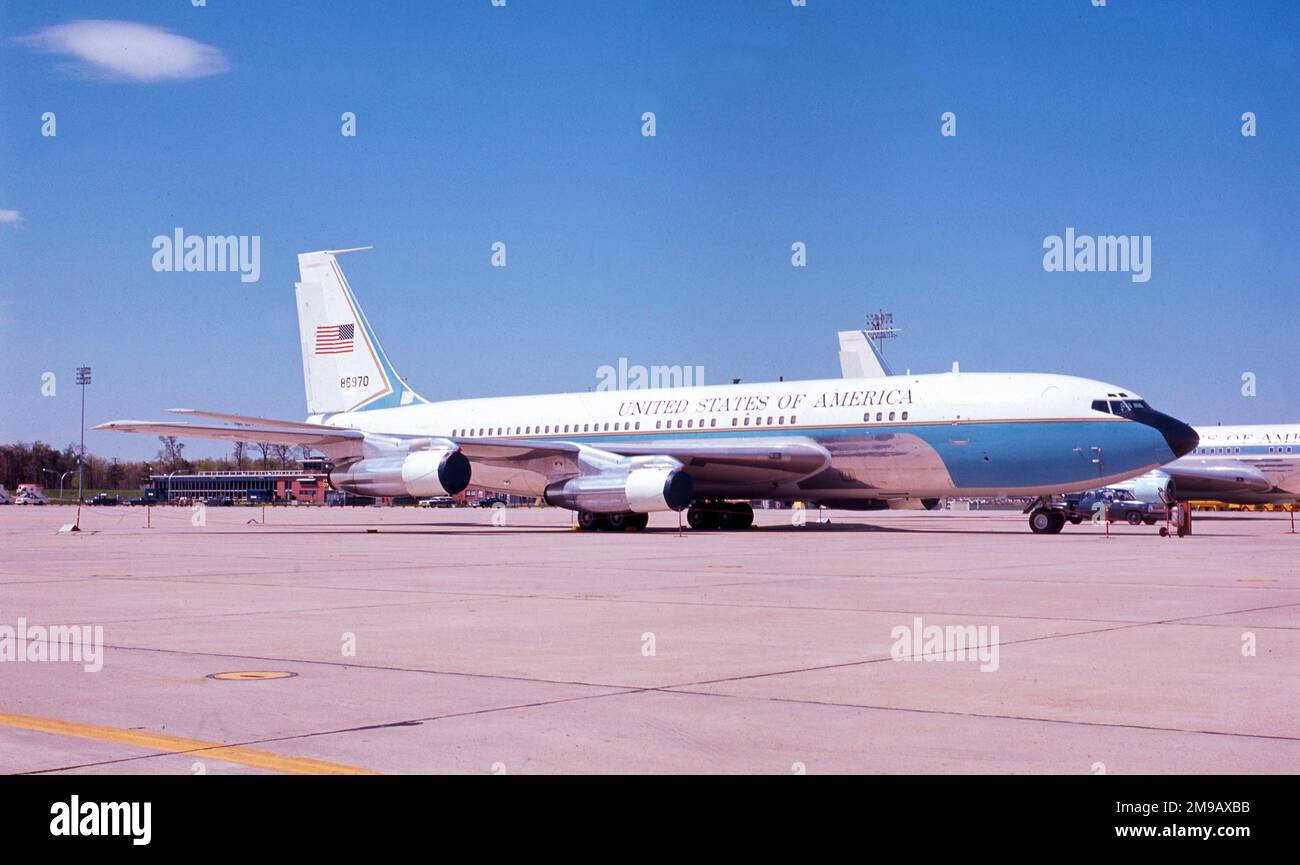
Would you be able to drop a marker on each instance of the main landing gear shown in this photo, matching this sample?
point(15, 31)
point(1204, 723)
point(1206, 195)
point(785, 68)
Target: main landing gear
point(1046, 522)
point(593, 522)
point(720, 515)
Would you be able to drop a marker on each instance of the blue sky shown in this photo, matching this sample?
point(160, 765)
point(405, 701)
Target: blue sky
point(775, 124)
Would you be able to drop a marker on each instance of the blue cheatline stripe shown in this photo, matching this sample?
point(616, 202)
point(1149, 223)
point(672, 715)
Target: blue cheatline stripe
point(1020, 453)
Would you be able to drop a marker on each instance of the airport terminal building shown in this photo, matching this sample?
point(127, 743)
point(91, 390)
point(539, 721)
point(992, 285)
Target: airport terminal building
point(306, 485)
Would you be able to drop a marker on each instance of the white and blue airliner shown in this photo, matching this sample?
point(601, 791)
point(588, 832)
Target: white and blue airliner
point(617, 456)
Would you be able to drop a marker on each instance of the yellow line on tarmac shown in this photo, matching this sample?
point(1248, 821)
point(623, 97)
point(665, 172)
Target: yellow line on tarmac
point(176, 745)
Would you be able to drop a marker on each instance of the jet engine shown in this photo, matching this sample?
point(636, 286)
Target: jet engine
point(637, 490)
point(1155, 487)
point(433, 472)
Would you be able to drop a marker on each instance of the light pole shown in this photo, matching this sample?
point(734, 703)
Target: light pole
point(56, 474)
point(83, 379)
point(61, 477)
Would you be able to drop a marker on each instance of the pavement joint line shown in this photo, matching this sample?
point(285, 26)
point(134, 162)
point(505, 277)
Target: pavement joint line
point(634, 688)
point(467, 596)
point(344, 730)
point(165, 745)
point(978, 715)
point(1001, 644)
point(376, 667)
point(250, 613)
point(458, 597)
point(781, 578)
point(920, 612)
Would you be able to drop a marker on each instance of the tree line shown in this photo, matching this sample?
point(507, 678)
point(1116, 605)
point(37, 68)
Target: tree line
point(40, 463)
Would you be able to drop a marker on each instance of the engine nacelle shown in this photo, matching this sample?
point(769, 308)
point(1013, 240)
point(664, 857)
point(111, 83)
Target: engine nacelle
point(1155, 487)
point(639, 490)
point(434, 472)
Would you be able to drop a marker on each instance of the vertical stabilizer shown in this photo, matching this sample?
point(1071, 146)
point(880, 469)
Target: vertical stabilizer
point(344, 367)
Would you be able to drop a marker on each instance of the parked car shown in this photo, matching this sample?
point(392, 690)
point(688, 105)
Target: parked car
point(491, 501)
point(146, 499)
point(438, 502)
point(1121, 505)
point(105, 499)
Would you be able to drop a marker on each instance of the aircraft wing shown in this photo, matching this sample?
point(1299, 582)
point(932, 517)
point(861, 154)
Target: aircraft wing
point(740, 460)
point(735, 461)
point(279, 433)
point(249, 419)
point(508, 450)
point(1208, 478)
point(756, 460)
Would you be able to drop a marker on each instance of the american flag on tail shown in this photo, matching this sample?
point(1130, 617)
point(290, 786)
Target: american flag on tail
point(334, 338)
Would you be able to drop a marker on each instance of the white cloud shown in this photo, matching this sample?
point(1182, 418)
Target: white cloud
point(10, 217)
point(124, 50)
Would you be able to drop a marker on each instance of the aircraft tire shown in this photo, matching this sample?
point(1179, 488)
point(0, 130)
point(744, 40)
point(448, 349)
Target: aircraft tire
point(1043, 522)
point(701, 517)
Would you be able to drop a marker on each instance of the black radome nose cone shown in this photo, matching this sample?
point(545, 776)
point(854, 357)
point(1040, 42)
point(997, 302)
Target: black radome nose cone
point(1180, 437)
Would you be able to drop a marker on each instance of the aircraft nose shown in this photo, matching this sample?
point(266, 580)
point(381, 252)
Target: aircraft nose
point(1180, 437)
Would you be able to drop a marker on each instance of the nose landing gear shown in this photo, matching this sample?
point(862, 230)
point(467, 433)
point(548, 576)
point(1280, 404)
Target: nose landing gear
point(1045, 522)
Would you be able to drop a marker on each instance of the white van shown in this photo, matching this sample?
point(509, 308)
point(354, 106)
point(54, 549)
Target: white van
point(6, 497)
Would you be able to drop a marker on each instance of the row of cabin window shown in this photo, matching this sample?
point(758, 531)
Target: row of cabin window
point(1279, 450)
point(681, 424)
point(543, 430)
point(659, 424)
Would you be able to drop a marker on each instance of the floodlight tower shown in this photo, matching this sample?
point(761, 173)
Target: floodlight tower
point(880, 327)
point(83, 379)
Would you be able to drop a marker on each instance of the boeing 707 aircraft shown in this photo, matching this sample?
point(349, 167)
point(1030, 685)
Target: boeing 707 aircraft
point(617, 456)
point(1248, 465)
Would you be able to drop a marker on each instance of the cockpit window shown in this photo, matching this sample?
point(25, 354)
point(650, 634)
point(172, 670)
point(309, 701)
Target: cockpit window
point(1121, 407)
